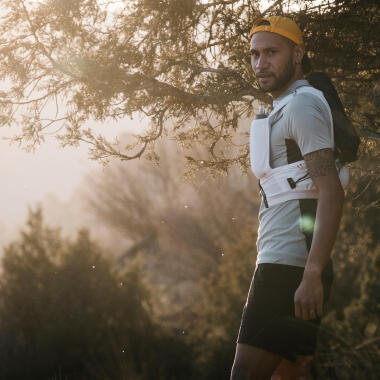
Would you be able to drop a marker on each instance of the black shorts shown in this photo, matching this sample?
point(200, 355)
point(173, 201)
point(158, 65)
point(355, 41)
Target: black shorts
point(268, 320)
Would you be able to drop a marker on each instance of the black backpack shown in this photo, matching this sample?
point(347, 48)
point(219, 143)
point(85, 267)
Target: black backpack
point(346, 138)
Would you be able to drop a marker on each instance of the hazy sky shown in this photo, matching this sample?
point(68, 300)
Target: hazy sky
point(27, 178)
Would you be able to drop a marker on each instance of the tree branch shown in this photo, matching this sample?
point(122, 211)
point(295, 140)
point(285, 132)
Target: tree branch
point(278, 2)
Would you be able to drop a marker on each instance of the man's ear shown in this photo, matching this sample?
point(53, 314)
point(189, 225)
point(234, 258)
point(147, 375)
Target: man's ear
point(298, 53)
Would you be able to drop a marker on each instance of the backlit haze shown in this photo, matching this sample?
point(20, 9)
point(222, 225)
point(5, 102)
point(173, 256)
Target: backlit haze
point(51, 175)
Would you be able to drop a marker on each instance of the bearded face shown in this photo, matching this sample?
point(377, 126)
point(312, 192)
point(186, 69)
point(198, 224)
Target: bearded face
point(273, 61)
point(277, 80)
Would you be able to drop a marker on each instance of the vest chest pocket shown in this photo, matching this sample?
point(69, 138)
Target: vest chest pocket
point(259, 147)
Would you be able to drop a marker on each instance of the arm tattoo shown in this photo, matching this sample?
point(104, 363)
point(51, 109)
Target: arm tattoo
point(320, 163)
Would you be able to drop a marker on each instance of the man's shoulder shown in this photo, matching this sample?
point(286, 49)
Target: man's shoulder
point(306, 109)
point(302, 101)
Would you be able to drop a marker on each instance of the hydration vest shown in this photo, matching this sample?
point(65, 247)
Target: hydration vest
point(291, 181)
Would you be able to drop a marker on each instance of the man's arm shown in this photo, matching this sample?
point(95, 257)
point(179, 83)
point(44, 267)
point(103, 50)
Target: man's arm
point(308, 298)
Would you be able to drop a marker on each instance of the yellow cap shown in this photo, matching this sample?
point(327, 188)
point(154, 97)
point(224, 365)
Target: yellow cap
point(279, 25)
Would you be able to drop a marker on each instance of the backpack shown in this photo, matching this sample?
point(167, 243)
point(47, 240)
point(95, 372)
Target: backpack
point(346, 137)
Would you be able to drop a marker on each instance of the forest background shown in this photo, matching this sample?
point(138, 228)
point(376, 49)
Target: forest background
point(164, 299)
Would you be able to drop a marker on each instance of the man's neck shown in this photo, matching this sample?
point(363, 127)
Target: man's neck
point(277, 94)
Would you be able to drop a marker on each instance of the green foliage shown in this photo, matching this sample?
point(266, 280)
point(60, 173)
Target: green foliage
point(66, 311)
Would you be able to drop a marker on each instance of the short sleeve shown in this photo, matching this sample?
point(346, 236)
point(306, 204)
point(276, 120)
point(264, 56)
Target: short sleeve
point(309, 123)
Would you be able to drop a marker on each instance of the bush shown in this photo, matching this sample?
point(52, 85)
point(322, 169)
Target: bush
point(66, 312)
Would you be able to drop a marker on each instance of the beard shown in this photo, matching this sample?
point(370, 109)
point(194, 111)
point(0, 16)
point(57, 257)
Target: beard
point(279, 81)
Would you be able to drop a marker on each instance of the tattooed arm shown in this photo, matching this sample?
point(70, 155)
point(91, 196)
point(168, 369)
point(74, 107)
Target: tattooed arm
point(320, 164)
point(321, 167)
point(309, 295)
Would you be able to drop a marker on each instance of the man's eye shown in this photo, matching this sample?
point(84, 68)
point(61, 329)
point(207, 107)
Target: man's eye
point(271, 52)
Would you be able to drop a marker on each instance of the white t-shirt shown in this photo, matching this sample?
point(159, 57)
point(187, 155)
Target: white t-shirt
point(285, 230)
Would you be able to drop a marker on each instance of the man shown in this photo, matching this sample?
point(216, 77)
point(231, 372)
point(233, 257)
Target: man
point(293, 274)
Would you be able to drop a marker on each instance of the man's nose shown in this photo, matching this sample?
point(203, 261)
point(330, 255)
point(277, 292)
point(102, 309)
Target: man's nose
point(261, 63)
